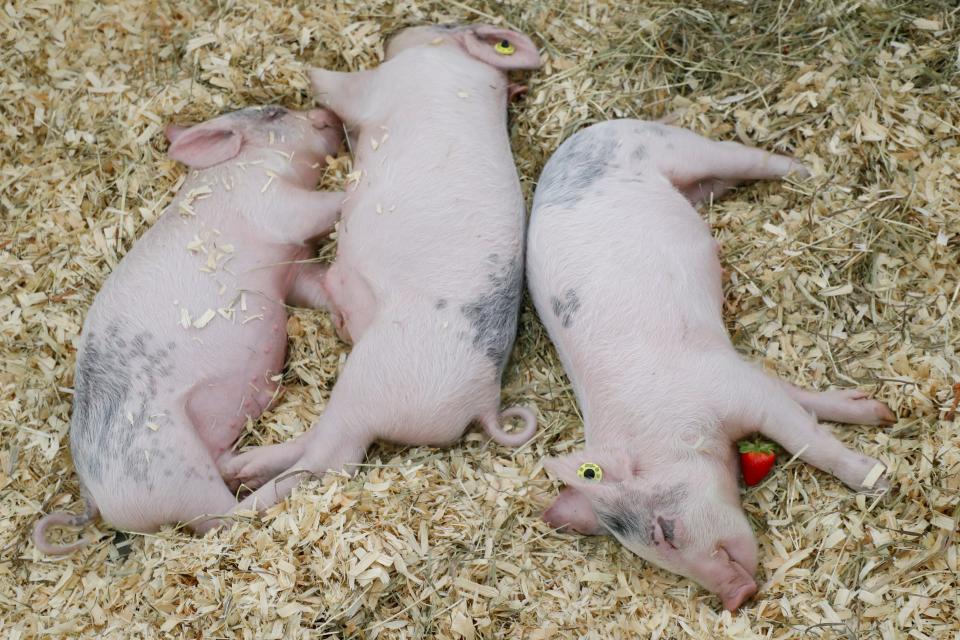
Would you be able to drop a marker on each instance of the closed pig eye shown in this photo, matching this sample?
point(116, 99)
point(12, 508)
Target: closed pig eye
point(272, 113)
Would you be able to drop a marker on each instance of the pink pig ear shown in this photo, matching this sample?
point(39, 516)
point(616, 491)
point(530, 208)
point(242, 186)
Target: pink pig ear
point(573, 510)
point(501, 48)
point(204, 145)
point(591, 472)
point(173, 131)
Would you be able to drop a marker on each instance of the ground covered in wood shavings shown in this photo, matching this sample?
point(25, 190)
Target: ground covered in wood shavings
point(850, 278)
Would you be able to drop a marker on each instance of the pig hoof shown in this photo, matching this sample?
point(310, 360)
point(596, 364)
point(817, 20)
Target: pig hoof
point(240, 471)
point(861, 473)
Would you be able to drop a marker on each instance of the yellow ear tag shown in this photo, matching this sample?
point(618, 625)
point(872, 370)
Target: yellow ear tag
point(504, 48)
point(590, 472)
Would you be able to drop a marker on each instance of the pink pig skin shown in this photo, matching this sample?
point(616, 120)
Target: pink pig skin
point(157, 403)
point(428, 275)
point(625, 276)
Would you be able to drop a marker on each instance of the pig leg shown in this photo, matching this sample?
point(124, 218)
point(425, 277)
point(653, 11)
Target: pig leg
point(329, 445)
point(851, 406)
point(353, 304)
point(184, 485)
point(344, 93)
point(378, 395)
point(253, 468)
point(764, 406)
point(337, 441)
point(706, 190)
point(307, 290)
point(699, 167)
point(306, 215)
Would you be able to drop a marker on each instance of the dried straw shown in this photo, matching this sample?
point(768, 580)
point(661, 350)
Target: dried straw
point(850, 278)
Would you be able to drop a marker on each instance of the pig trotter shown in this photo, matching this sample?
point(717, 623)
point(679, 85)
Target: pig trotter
point(63, 519)
point(492, 425)
point(252, 469)
point(307, 290)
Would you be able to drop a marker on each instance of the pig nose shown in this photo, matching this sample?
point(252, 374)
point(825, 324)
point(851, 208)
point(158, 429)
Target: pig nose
point(733, 599)
point(323, 118)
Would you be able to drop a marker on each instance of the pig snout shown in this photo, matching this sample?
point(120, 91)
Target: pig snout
point(329, 127)
point(728, 572)
point(733, 583)
point(324, 118)
point(732, 600)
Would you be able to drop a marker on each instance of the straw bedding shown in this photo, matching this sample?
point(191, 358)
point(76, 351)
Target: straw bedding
point(850, 278)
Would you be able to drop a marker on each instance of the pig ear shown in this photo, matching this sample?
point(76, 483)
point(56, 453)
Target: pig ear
point(501, 48)
point(593, 473)
point(204, 145)
point(173, 131)
point(573, 511)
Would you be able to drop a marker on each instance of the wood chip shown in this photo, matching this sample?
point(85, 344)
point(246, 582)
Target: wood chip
point(846, 279)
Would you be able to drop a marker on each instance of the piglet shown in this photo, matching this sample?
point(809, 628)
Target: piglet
point(625, 276)
point(184, 341)
point(428, 275)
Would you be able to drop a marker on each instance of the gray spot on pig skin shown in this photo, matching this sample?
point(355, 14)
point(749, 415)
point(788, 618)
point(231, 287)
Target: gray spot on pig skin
point(564, 309)
point(267, 113)
point(653, 128)
point(666, 526)
point(632, 514)
point(116, 382)
point(493, 317)
point(574, 168)
point(639, 153)
point(441, 304)
point(625, 523)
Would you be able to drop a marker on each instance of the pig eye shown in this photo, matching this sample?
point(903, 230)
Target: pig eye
point(590, 472)
point(505, 48)
point(272, 113)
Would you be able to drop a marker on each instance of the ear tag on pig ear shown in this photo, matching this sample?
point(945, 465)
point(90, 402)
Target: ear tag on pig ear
point(590, 472)
point(505, 48)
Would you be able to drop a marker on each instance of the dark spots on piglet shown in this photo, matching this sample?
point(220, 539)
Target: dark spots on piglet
point(493, 316)
point(639, 154)
point(441, 304)
point(566, 307)
point(666, 527)
point(636, 515)
point(653, 128)
point(625, 523)
point(574, 168)
point(117, 379)
point(266, 113)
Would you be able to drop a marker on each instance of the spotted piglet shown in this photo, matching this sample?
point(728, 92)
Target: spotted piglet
point(184, 340)
point(624, 274)
point(428, 274)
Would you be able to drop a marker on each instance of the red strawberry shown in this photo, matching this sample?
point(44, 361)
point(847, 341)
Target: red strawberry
point(756, 460)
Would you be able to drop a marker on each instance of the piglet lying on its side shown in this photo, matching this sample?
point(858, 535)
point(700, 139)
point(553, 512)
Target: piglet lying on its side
point(183, 340)
point(429, 268)
point(625, 276)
